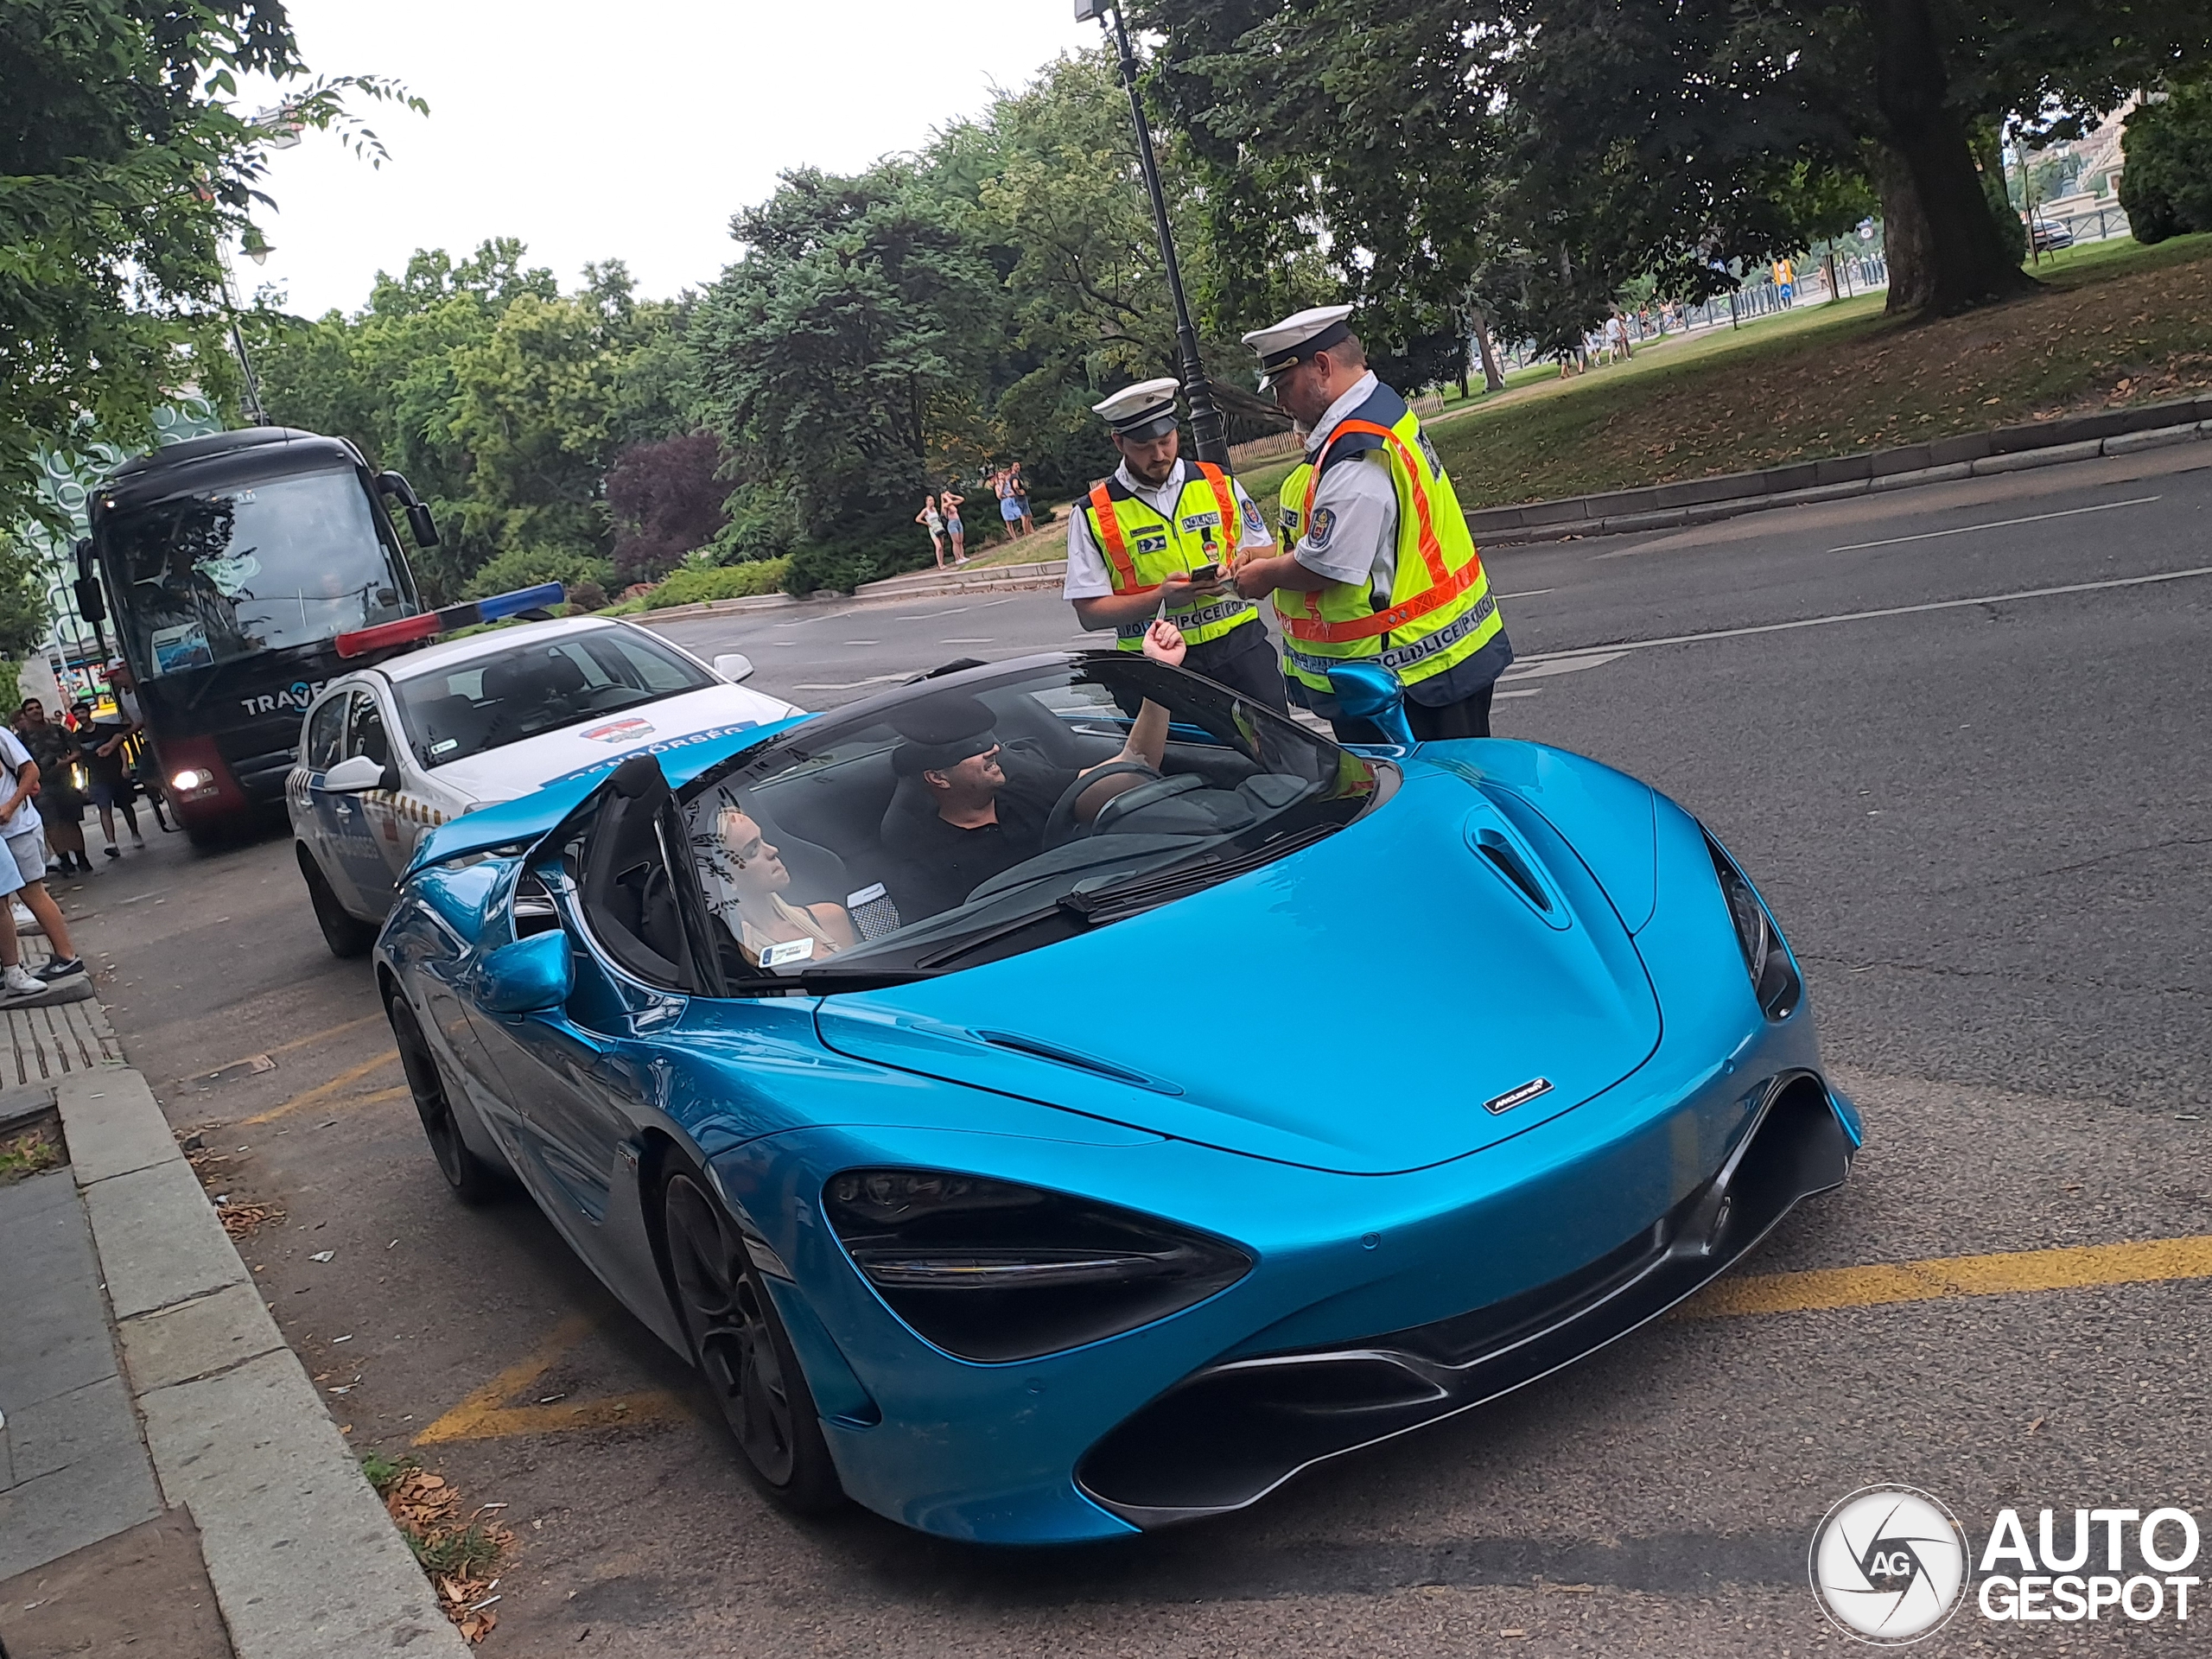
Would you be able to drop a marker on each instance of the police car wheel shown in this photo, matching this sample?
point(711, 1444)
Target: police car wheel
point(472, 1180)
point(347, 936)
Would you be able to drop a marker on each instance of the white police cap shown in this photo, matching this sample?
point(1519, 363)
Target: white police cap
point(1144, 410)
point(1298, 336)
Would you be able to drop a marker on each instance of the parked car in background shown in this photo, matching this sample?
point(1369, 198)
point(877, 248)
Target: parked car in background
point(389, 753)
point(2051, 233)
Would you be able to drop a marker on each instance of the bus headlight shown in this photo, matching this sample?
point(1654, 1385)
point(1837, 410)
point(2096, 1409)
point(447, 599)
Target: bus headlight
point(190, 779)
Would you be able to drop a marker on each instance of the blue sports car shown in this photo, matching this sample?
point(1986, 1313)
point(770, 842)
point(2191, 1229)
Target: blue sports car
point(1060, 1098)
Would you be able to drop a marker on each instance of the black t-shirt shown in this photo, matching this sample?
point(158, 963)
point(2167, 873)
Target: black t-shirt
point(102, 768)
point(940, 863)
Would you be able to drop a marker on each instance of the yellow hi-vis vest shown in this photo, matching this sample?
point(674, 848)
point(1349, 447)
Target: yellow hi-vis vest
point(1142, 549)
point(1440, 612)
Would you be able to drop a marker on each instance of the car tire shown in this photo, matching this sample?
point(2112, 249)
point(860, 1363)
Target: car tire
point(347, 935)
point(740, 1344)
point(474, 1181)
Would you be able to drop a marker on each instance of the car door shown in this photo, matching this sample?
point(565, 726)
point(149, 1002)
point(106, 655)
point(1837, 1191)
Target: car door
point(376, 858)
point(582, 1077)
point(314, 818)
point(348, 854)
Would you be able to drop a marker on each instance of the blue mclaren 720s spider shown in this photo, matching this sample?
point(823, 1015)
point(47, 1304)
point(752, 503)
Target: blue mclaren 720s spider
point(1057, 1099)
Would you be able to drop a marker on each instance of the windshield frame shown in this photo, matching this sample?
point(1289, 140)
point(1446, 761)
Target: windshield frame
point(980, 930)
point(123, 552)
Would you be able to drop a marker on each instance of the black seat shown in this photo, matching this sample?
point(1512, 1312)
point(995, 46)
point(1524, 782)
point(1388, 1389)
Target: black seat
point(450, 723)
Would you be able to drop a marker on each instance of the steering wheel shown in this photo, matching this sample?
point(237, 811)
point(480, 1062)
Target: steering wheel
point(1144, 795)
point(1061, 826)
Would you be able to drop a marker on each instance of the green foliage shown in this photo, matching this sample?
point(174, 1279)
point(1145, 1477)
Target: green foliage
point(122, 168)
point(526, 567)
point(870, 553)
point(695, 586)
point(502, 399)
point(2167, 186)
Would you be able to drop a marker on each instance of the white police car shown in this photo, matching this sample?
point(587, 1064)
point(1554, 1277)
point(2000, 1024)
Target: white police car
point(389, 753)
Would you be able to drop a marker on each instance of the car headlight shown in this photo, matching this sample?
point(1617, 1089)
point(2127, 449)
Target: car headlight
point(1774, 976)
point(993, 1271)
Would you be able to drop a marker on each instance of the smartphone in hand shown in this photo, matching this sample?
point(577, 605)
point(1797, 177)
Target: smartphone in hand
point(1205, 573)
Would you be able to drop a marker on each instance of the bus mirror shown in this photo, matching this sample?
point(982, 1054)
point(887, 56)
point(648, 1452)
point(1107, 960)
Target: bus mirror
point(92, 604)
point(424, 526)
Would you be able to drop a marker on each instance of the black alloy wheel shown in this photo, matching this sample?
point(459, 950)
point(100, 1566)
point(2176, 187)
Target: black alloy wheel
point(347, 936)
point(472, 1180)
point(740, 1343)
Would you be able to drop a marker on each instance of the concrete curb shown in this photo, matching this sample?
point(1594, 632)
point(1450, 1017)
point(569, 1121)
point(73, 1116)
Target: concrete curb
point(304, 1560)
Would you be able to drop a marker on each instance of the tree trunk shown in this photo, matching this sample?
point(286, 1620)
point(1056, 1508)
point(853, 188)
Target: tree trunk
point(1952, 255)
point(1493, 377)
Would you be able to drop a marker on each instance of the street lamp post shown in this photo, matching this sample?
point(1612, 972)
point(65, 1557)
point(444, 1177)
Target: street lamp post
point(1207, 433)
point(250, 384)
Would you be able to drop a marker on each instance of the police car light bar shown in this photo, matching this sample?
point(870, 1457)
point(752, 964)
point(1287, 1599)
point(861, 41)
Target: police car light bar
point(430, 624)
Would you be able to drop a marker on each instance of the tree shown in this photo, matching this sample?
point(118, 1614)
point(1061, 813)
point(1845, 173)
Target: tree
point(122, 168)
point(667, 500)
point(2166, 189)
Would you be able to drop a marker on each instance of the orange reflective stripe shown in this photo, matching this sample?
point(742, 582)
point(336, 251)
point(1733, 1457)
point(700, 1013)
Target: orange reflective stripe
point(1366, 627)
point(1431, 550)
point(1117, 551)
point(1225, 499)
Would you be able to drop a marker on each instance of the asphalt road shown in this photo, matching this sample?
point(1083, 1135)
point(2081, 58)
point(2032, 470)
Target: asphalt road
point(1982, 820)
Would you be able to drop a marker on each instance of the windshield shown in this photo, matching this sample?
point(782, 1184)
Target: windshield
point(210, 578)
point(964, 824)
point(504, 696)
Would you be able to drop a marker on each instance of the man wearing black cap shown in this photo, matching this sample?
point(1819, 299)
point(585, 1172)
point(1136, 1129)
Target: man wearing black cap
point(1136, 540)
point(985, 809)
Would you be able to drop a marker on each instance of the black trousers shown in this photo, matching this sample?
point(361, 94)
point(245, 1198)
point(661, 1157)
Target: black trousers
point(1469, 717)
point(1243, 659)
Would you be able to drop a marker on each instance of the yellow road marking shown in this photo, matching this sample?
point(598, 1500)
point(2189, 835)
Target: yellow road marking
point(322, 1090)
point(298, 1043)
point(1943, 1277)
point(484, 1414)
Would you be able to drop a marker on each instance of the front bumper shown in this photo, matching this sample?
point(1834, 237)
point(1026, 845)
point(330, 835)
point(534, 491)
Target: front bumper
point(1231, 1432)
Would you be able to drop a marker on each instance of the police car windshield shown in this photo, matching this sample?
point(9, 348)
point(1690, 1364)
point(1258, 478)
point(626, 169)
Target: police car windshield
point(963, 822)
point(211, 577)
point(541, 686)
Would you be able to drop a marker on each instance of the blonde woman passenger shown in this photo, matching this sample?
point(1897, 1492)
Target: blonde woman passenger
point(747, 878)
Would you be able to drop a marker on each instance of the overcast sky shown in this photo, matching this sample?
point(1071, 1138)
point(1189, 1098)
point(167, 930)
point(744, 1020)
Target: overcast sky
point(629, 130)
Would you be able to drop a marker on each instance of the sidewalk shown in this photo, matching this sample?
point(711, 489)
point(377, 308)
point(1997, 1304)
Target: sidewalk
point(169, 1481)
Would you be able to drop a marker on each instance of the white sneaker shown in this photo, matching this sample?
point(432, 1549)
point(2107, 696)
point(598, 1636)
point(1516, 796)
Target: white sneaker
point(16, 983)
point(25, 922)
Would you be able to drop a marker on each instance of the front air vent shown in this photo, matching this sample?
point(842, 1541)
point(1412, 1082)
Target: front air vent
point(1508, 859)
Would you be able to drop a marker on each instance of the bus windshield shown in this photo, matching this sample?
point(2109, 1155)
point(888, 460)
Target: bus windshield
point(209, 578)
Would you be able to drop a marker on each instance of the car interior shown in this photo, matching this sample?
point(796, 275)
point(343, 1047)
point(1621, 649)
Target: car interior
point(536, 689)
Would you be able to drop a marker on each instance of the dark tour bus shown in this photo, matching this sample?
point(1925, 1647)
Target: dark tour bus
point(229, 565)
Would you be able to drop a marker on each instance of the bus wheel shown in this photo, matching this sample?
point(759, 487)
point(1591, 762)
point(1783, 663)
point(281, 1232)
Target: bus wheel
point(204, 838)
point(347, 936)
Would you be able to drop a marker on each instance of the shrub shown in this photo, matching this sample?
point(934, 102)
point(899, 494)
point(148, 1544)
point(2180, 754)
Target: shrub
point(694, 587)
point(880, 549)
point(2166, 189)
point(667, 500)
point(587, 595)
point(525, 567)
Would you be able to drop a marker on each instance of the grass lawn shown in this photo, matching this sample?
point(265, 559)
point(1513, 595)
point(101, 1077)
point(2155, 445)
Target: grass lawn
point(2114, 323)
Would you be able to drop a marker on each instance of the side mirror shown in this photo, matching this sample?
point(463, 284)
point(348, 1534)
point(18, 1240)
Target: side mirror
point(91, 603)
point(734, 666)
point(1370, 692)
point(424, 526)
point(526, 976)
point(357, 773)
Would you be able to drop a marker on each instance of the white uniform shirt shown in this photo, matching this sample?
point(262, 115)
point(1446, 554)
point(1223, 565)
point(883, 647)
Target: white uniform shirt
point(1087, 576)
point(1353, 533)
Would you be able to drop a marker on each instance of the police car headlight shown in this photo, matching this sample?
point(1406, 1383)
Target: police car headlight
point(993, 1271)
point(1766, 958)
point(190, 779)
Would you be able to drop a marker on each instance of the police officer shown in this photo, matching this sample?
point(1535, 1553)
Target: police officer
point(1377, 562)
point(1139, 536)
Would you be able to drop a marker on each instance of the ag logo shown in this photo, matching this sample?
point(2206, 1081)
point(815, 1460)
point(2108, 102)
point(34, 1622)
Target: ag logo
point(1888, 1565)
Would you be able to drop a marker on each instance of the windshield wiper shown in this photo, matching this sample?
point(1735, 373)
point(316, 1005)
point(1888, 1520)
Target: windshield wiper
point(1119, 899)
point(823, 982)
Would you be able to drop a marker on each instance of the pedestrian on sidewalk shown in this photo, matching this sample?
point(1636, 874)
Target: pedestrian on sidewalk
point(60, 806)
point(99, 744)
point(144, 767)
point(1160, 538)
point(949, 503)
point(933, 521)
point(22, 875)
